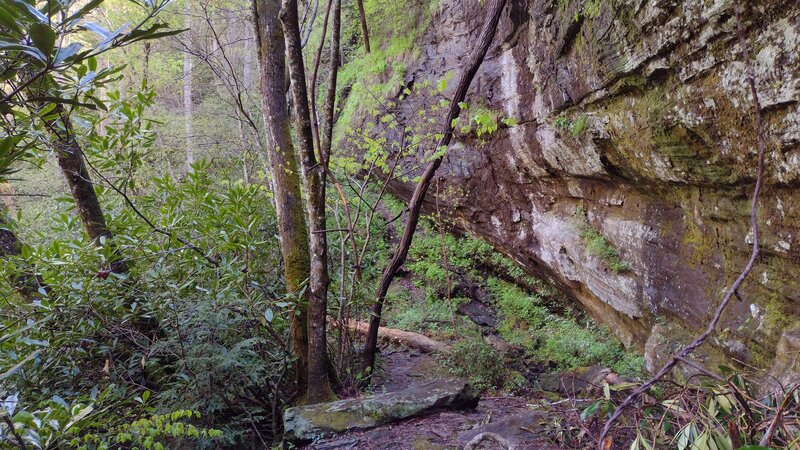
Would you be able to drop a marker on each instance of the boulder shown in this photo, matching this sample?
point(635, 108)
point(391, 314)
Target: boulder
point(312, 422)
point(479, 313)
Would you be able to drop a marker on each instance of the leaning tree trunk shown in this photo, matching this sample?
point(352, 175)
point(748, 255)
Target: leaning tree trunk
point(364, 30)
point(286, 178)
point(415, 205)
point(315, 174)
point(70, 159)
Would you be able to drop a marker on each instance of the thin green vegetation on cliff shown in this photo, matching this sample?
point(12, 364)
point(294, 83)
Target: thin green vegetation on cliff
point(598, 245)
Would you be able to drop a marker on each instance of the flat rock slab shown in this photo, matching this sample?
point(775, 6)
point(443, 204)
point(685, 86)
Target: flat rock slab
point(313, 422)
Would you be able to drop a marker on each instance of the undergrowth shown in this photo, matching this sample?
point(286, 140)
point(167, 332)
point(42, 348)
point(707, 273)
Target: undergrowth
point(478, 362)
point(546, 331)
point(560, 340)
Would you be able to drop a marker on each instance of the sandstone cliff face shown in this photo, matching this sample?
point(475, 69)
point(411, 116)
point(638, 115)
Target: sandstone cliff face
point(634, 119)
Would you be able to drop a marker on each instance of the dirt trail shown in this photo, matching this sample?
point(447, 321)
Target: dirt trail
point(509, 417)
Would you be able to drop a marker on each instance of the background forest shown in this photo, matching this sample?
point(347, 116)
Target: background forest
point(188, 248)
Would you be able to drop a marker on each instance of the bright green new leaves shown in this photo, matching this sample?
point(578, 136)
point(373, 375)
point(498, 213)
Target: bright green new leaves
point(48, 58)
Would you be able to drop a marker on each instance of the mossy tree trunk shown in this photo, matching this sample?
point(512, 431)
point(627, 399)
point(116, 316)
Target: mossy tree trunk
point(286, 177)
point(315, 175)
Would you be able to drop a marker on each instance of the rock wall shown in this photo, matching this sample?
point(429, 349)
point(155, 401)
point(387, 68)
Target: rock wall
point(634, 118)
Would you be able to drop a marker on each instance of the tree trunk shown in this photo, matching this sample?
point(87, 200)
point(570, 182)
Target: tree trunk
point(286, 178)
point(315, 175)
point(70, 159)
point(9, 243)
point(415, 205)
point(187, 95)
point(364, 29)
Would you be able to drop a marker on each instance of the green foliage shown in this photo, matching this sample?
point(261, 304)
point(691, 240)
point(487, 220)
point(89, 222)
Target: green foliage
point(562, 122)
point(598, 245)
point(575, 127)
point(477, 362)
point(592, 8)
point(49, 57)
point(422, 317)
point(57, 424)
point(561, 340)
point(482, 120)
point(579, 125)
point(208, 281)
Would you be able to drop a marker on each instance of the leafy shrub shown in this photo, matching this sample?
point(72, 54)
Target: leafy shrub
point(201, 325)
point(477, 362)
point(570, 345)
point(423, 316)
point(729, 410)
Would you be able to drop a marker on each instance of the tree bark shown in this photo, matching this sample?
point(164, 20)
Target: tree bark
point(315, 174)
point(70, 160)
point(286, 178)
point(364, 29)
point(146, 71)
point(187, 96)
point(415, 205)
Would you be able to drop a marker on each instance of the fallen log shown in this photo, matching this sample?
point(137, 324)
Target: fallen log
point(407, 338)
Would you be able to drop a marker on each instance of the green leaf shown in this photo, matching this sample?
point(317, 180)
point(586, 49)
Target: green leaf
point(17, 366)
point(591, 409)
point(67, 52)
point(33, 51)
point(8, 19)
point(43, 37)
point(30, 11)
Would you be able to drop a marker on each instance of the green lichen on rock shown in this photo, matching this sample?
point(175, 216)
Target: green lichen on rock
point(312, 422)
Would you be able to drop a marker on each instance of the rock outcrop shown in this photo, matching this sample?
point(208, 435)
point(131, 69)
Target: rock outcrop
point(312, 422)
point(633, 120)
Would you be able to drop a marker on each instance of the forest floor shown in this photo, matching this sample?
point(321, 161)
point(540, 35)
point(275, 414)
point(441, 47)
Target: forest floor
point(516, 419)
